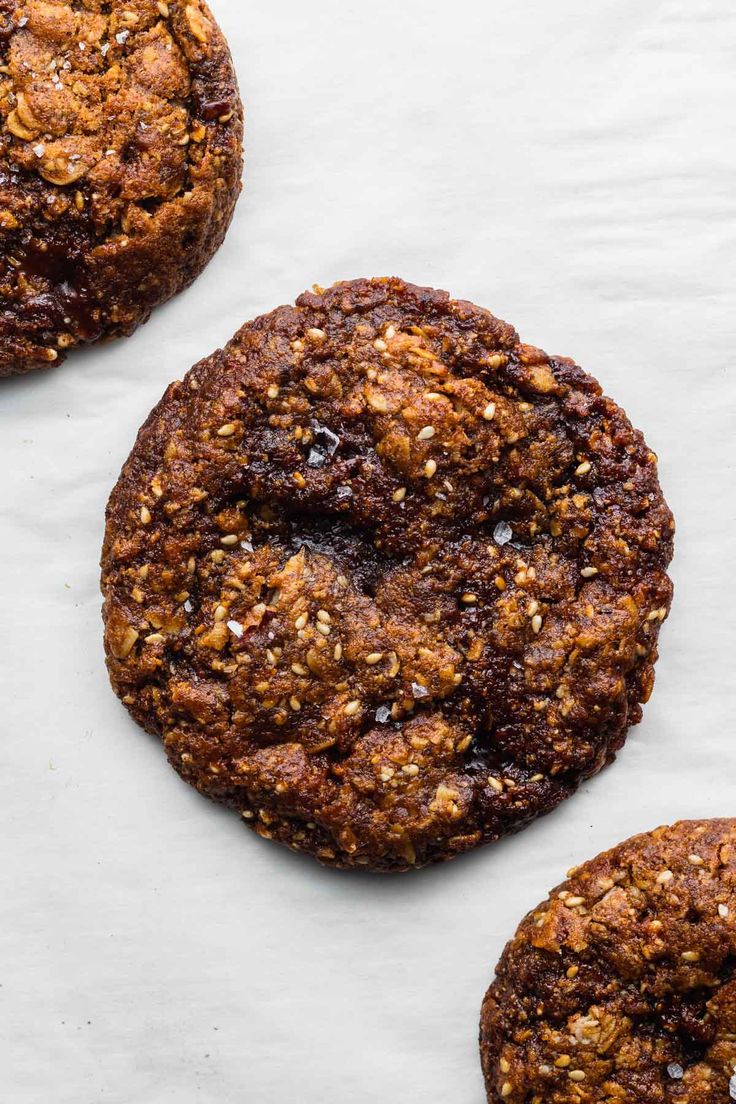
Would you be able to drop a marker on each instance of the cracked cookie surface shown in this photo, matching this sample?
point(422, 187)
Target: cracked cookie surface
point(384, 579)
point(120, 162)
point(620, 987)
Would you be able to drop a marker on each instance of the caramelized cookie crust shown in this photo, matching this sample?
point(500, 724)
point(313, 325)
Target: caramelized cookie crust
point(120, 160)
point(384, 579)
point(620, 987)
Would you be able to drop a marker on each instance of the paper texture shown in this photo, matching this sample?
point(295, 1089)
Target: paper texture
point(573, 168)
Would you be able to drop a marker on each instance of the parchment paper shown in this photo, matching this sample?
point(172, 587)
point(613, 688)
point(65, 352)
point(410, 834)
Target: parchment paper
point(569, 165)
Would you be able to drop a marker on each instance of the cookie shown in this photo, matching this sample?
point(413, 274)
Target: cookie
point(384, 579)
point(120, 163)
point(620, 987)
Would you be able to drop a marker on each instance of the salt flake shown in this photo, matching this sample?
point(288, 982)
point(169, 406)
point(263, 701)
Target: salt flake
point(503, 533)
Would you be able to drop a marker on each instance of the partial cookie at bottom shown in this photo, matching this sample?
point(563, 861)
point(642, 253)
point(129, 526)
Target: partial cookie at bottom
point(621, 987)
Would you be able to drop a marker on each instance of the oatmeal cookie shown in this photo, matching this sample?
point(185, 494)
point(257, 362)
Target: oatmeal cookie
point(384, 579)
point(620, 987)
point(120, 162)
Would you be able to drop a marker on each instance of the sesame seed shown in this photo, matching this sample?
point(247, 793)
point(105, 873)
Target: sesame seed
point(270, 657)
point(324, 617)
point(573, 972)
point(316, 334)
point(295, 704)
point(163, 9)
point(695, 860)
point(576, 1075)
point(430, 469)
point(145, 515)
point(400, 495)
point(504, 1065)
point(220, 613)
point(723, 911)
point(426, 434)
point(664, 877)
point(352, 708)
point(322, 628)
point(411, 769)
point(563, 1061)
point(589, 572)
point(154, 638)
point(273, 391)
point(533, 607)
point(299, 669)
point(380, 345)
point(690, 956)
point(229, 541)
point(507, 1088)
point(573, 902)
point(390, 333)
point(337, 654)
point(495, 784)
point(374, 658)
point(490, 412)
point(584, 468)
point(301, 621)
point(226, 430)
point(537, 623)
point(470, 599)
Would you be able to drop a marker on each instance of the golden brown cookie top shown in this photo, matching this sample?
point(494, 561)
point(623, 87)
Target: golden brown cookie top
point(120, 129)
point(384, 578)
point(620, 986)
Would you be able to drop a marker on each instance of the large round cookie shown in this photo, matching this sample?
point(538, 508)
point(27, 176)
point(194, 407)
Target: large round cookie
point(385, 580)
point(620, 987)
point(120, 160)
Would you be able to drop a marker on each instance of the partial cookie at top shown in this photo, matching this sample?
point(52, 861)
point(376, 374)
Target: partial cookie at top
point(383, 578)
point(620, 987)
point(120, 162)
